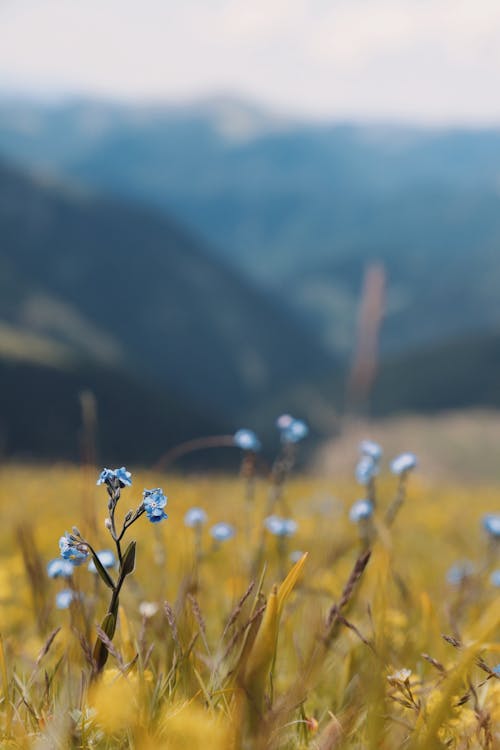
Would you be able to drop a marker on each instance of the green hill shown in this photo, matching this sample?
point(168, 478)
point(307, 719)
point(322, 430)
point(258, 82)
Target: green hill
point(99, 283)
point(301, 208)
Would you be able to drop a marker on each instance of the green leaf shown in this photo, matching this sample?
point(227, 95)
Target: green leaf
point(101, 653)
point(128, 562)
point(103, 572)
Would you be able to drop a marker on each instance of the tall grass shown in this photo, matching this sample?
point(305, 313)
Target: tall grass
point(347, 647)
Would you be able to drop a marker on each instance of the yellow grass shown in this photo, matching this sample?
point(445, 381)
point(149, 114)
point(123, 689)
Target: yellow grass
point(278, 676)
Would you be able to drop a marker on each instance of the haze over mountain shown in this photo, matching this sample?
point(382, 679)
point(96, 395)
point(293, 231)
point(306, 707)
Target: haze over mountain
point(97, 293)
point(301, 208)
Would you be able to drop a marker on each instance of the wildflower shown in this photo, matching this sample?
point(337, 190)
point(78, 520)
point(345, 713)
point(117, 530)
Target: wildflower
point(60, 568)
point(366, 469)
point(459, 572)
point(370, 449)
point(491, 524)
point(121, 476)
point(403, 464)
point(361, 511)
point(296, 555)
point(496, 670)
point(284, 421)
point(154, 501)
point(280, 526)
point(73, 549)
point(222, 531)
point(64, 598)
point(195, 517)
point(296, 431)
point(495, 578)
point(148, 609)
point(247, 440)
point(400, 677)
point(106, 558)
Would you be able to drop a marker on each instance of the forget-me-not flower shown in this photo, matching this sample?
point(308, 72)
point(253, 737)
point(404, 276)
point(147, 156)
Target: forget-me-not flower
point(247, 440)
point(284, 421)
point(60, 568)
point(371, 449)
point(366, 469)
point(459, 572)
point(495, 578)
point(491, 524)
point(64, 598)
point(120, 476)
point(154, 501)
point(222, 531)
point(361, 511)
point(195, 517)
point(280, 526)
point(72, 549)
point(403, 464)
point(296, 431)
point(106, 558)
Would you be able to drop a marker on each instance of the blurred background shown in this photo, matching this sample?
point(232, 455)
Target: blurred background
point(215, 212)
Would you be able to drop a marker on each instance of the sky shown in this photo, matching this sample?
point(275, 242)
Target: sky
point(426, 61)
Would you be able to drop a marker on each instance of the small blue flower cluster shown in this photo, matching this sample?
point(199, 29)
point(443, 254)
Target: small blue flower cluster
point(283, 527)
point(459, 572)
point(73, 549)
point(291, 430)
point(154, 501)
point(491, 524)
point(120, 477)
point(247, 440)
point(361, 510)
point(368, 465)
point(222, 531)
point(404, 463)
point(106, 558)
point(195, 517)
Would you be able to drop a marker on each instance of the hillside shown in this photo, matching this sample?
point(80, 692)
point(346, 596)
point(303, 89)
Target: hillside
point(102, 282)
point(301, 207)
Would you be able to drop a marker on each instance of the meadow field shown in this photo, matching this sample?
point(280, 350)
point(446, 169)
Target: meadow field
point(315, 630)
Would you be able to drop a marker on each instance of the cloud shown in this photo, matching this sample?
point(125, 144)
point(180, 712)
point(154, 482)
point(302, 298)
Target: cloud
point(435, 60)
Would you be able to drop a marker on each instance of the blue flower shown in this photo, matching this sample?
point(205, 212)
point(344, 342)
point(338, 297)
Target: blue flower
point(154, 501)
point(72, 549)
point(222, 531)
point(123, 476)
point(491, 524)
point(366, 469)
point(284, 421)
point(247, 440)
point(496, 670)
point(403, 464)
point(106, 476)
point(361, 511)
point(495, 578)
point(280, 526)
point(106, 558)
point(60, 568)
point(459, 572)
point(111, 477)
point(296, 555)
point(296, 431)
point(195, 517)
point(64, 598)
point(371, 449)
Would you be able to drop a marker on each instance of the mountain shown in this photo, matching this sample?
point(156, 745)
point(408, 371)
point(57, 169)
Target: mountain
point(301, 208)
point(97, 291)
point(460, 373)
